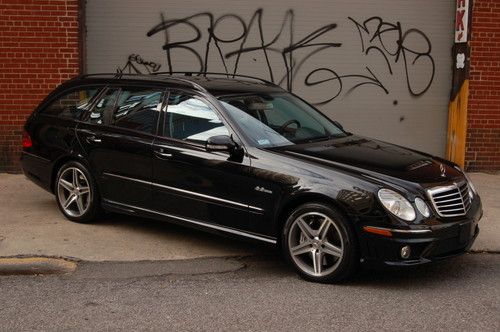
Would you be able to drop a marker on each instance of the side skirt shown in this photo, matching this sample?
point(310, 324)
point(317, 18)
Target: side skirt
point(135, 210)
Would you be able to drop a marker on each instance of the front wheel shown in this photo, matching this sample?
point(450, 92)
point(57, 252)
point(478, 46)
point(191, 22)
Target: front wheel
point(76, 193)
point(319, 243)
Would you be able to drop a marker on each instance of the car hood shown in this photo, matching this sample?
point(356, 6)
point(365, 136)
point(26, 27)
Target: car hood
point(378, 158)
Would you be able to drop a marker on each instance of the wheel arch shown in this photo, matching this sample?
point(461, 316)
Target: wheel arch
point(60, 162)
point(293, 202)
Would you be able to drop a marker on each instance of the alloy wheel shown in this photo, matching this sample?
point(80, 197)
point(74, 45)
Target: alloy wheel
point(74, 193)
point(315, 243)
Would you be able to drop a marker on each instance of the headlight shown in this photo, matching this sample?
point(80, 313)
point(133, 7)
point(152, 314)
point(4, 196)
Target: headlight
point(422, 207)
point(396, 204)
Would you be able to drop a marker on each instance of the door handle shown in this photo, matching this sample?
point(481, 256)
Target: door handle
point(93, 139)
point(162, 155)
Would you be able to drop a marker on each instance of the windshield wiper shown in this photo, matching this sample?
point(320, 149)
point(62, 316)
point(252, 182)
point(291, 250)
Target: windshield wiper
point(319, 138)
point(313, 139)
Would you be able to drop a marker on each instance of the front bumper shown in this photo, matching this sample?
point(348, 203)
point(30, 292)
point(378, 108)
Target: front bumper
point(440, 241)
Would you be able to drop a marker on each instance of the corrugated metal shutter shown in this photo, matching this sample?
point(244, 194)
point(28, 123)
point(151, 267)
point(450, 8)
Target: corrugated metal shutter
point(381, 68)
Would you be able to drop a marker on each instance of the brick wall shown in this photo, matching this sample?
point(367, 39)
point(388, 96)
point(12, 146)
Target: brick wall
point(38, 50)
point(483, 132)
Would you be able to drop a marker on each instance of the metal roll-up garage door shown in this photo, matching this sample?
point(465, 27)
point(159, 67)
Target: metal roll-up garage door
point(381, 68)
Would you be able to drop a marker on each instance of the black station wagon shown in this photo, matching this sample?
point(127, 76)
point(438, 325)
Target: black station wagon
point(241, 156)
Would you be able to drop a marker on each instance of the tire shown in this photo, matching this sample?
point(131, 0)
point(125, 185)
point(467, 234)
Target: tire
point(320, 244)
point(76, 193)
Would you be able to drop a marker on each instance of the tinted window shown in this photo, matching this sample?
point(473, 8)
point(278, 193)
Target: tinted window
point(190, 118)
point(71, 104)
point(138, 109)
point(101, 113)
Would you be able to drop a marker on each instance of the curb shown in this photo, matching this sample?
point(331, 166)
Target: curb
point(484, 251)
point(35, 265)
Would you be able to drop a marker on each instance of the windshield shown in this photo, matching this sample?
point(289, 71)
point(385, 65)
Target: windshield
point(278, 119)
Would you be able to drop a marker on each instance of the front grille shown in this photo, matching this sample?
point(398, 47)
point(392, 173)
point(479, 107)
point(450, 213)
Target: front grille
point(452, 200)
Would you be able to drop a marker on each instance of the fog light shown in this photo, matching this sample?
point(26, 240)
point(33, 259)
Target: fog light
point(405, 252)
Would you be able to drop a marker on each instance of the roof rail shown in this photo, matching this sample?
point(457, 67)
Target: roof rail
point(204, 74)
point(120, 75)
point(117, 75)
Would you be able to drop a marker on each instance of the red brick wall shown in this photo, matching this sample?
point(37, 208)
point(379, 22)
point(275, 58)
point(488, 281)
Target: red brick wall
point(483, 132)
point(38, 50)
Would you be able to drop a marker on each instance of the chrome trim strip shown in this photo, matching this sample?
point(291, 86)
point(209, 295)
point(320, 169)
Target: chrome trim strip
point(447, 200)
point(451, 210)
point(199, 223)
point(126, 178)
point(187, 192)
point(439, 189)
point(456, 193)
point(403, 231)
point(447, 206)
point(35, 156)
point(205, 196)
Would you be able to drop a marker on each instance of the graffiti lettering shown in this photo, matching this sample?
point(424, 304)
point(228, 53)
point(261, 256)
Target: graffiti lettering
point(135, 59)
point(392, 43)
point(243, 30)
point(372, 80)
point(227, 38)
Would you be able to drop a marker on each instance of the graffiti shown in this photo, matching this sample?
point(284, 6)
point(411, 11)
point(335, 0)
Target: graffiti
point(365, 79)
point(135, 60)
point(226, 39)
point(241, 39)
point(392, 43)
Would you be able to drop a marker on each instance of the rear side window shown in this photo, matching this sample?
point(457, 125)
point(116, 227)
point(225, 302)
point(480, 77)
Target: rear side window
point(135, 108)
point(138, 109)
point(72, 104)
point(104, 107)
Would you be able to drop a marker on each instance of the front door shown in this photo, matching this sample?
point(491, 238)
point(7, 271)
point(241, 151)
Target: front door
point(117, 136)
point(190, 182)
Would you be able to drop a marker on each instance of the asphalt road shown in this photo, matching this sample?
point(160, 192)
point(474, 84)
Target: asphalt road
point(255, 293)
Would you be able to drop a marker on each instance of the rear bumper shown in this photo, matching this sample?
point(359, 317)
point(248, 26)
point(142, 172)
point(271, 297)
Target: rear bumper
point(37, 169)
point(438, 242)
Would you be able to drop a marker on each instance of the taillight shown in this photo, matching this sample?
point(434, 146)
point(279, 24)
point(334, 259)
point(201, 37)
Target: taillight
point(27, 143)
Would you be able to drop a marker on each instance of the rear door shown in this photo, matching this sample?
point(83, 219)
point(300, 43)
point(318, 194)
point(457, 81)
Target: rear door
point(117, 136)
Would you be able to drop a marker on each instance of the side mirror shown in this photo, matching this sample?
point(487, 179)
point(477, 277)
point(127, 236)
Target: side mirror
point(338, 124)
point(220, 143)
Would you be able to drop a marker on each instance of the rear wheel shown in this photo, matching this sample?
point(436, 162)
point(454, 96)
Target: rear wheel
point(319, 243)
point(76, 193)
